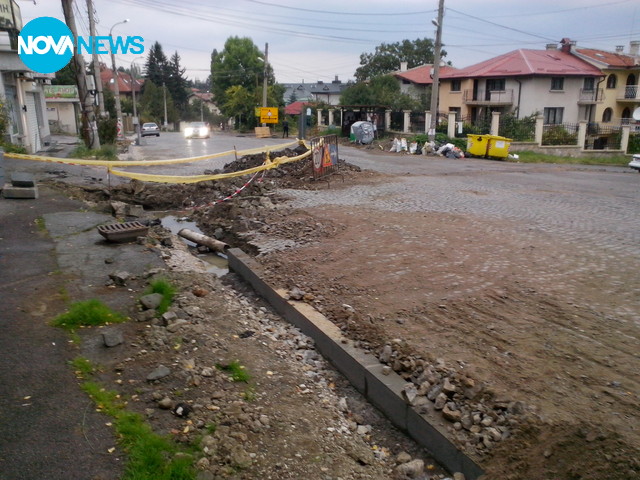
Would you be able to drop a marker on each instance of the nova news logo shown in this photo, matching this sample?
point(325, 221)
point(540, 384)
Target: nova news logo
point(46, 45)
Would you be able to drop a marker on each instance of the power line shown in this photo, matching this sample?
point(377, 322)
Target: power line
point(360, 14)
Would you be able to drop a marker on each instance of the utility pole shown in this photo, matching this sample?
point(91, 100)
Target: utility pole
point(164, 97)
point(89, 125)
point(264, 79)
point(436, 71)
point(116, 85)
point(95, 60)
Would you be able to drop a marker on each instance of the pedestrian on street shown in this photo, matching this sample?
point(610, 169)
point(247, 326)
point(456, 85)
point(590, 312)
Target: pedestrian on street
point(285, 129)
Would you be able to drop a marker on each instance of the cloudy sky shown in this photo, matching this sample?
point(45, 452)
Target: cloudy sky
point(311, 40)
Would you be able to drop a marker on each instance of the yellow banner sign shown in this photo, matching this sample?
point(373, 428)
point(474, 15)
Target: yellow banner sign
point(268, 115)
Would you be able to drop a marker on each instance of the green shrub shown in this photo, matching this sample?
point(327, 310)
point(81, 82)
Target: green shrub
point(105, 152)
point(107, 130)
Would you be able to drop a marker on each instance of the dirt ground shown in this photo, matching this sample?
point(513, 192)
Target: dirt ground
point(515, 317)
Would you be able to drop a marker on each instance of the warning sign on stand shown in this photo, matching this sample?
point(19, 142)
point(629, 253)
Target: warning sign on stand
point(269, 115)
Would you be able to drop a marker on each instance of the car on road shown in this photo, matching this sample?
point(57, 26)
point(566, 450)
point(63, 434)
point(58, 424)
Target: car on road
point(149, 129)
point(197, 130)
point(635, 162)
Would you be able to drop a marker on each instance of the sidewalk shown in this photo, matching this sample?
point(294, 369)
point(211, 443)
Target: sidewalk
point(49, 429)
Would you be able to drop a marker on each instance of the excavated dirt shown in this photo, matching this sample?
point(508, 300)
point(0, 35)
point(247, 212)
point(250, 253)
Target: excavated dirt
point(539, 375)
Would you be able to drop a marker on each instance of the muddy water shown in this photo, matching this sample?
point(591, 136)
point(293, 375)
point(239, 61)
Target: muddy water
point(217, 262)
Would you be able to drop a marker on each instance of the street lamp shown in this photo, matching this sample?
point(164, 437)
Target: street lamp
point(115, 80)
point(134, 84)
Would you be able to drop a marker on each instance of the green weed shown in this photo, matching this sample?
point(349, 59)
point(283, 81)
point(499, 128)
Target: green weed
point(88, 313)
point(164, 288)
point(236, 371)
point(150, 456)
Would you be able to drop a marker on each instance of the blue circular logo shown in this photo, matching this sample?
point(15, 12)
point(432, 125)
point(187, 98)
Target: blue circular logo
point(45, 44)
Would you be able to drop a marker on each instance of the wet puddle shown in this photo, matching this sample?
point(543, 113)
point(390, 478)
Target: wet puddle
point(217, 262)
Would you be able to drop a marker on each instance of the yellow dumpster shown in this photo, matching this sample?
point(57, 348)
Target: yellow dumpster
point(477, 145)
point(488, 146)
point(498, 146)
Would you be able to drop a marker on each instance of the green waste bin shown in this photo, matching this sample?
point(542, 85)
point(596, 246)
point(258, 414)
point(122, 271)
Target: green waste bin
point(487, 146)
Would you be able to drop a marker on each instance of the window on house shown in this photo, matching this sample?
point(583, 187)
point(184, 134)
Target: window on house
point(589, 83)
point(553, 115)
point(612, 81)
point(495, 84)
point(557, 83)
point(606, 115)
point(456, 85)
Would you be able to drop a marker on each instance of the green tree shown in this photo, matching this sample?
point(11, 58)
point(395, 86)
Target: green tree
point(152, 105)
point(387, 57)
point(240, 103)
point(156, 67)
point(177, 83)
point(382, 90)
point(240, 63)
point(65, 76)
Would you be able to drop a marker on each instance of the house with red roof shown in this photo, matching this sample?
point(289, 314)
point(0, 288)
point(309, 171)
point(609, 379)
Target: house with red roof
point(417, 81)
point(621, 73)
point(126, 83)
point(551, 82)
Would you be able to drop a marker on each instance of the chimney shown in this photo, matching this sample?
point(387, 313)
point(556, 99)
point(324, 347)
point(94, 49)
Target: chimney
point(551, 46)
point(336, 81)
point(619, 48)
point(566, 45)
point(634, 47)
point(403, 66)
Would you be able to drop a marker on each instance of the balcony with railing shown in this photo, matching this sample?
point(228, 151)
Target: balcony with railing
point(631, 94)
point(488, 97)
point(591, 96)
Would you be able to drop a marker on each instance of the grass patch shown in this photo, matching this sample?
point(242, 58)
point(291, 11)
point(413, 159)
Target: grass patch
point(236, 371)
point(150, 456)
point(533, 157)
point(40, 225)
point(106, 152)
point(164, 288)
point(82, 367)
point(85, 314)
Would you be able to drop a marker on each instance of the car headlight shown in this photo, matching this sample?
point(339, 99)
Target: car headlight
point(205, 131)
point(188, 132)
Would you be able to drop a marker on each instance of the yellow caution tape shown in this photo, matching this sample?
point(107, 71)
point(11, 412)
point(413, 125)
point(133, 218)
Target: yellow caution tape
point(131, 163)
point(268, 165)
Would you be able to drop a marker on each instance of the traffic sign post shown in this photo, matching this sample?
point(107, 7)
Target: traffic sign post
point(268, 115)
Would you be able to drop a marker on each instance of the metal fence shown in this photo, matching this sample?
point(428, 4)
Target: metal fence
point(517, 129)
point(601, 137)
point(324, 156)
point(560, 134)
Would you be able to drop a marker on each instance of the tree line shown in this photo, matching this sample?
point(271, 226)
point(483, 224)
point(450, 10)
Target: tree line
point(236, 81)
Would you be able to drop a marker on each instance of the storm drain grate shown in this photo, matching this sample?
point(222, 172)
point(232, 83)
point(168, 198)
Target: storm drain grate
point(123, 232)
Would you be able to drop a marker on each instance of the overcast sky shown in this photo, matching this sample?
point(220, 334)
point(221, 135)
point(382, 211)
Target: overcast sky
point(319, 40)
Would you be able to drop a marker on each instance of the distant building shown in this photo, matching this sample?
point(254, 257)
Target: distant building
point(20, 88)
point(328, 93)
point(63, 108)
point(550, 82)
point(126, 83)
point(206, 99)
point(619, 85)
point(417, 81)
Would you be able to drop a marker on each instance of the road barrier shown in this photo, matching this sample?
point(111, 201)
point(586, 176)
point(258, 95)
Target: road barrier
point(267, 165)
